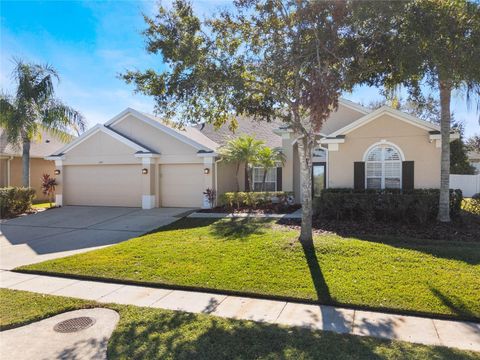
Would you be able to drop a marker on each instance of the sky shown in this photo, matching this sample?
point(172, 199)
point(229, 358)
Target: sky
point(91, 42)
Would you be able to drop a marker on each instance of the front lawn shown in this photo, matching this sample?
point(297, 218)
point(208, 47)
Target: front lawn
point(262, 257)
point(41, 206)
point(145, 333)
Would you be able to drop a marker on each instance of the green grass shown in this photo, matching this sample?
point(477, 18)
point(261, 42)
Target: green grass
point(261, 257)
point(145, 333)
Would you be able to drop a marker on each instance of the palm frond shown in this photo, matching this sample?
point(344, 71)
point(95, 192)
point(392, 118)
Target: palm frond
point(58, 116)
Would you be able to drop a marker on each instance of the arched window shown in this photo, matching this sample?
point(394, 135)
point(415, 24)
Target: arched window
point(383, 167)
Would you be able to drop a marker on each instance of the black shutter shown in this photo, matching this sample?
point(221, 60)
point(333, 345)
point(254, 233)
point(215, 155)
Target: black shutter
point(407, 175)
point(279, 179)
point(359, 175)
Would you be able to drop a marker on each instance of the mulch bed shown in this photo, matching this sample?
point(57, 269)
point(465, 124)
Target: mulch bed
point(464, 228)
point(273, 209)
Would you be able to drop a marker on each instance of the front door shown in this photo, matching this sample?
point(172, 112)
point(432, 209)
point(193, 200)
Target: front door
point(318, 178)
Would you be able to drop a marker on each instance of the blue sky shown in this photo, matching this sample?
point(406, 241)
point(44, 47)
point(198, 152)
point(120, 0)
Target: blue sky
point(91, 42)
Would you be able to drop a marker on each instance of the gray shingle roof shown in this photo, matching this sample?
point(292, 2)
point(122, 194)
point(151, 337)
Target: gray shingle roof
point(40, 148)
point(261, 130)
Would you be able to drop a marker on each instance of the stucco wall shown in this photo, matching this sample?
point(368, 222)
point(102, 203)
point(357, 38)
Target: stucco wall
point(101, 148)
point(172, 150)
point(38, 167)
point(226, 178)
point(3, 172)
point(412, 140)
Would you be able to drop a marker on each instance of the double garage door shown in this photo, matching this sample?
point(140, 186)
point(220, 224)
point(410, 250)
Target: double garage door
point(180, 185)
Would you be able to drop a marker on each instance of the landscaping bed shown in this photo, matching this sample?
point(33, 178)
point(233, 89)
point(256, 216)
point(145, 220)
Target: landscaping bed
point(272, 209)
point(264, 258)
point(146, 333)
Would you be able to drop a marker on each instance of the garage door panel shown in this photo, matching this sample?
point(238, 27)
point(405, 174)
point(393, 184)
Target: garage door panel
point(181, 185)
point(103, 185)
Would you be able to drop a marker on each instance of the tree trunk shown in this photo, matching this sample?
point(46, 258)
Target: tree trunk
point(264, 179)
point(236, 177)
point(444, 201)
point(305, 146)
point(247, 178)
point(26, 162)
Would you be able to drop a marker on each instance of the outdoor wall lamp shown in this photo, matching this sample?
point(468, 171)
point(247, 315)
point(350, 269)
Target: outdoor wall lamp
point(206, 171)
point(57, 172)
point(144, 171)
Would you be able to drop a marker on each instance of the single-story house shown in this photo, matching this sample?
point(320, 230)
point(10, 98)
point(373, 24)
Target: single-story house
point(137, 160)
point(11, 161)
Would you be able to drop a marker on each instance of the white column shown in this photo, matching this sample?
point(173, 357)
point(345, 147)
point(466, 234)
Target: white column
point(208, 163)
point(59, 178)
point(148, 183)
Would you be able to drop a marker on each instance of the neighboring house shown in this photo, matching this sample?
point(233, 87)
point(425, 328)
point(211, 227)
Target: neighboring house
point(136, 160)
point(11, 161)
point(474, 159)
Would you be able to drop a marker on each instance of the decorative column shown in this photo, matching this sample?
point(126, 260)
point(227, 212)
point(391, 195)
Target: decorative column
point(148, 182)
point(59, 169)
point(208, 176)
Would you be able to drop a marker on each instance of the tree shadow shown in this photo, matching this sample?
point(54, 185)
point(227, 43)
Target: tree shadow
point(399, 236)
point(239, 228)
point(454, 303)
point(154, 334)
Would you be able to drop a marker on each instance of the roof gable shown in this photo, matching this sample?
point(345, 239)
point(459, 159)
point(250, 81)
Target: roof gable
point(425, 125)
point(101, 128)
point(189, 135)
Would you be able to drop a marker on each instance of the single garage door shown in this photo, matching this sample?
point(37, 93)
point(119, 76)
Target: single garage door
point(181, 185)
point(103, 185)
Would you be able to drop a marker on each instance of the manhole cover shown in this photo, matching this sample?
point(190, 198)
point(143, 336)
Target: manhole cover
point(74, 325)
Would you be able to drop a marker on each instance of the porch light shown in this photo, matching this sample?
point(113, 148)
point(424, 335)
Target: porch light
point(144, 171)
point(206, 171)
point(56, 172)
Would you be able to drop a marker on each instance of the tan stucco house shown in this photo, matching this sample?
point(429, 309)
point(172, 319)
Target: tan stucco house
point(11, 161)
point(137, 160)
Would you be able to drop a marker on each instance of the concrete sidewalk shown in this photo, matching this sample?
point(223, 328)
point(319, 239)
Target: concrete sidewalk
point(455, 334)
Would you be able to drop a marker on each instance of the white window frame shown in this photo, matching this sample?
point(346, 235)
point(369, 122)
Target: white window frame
point(274, 169)
point(383, 144)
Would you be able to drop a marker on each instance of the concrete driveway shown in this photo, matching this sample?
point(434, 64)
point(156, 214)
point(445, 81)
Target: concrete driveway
point(74, 229)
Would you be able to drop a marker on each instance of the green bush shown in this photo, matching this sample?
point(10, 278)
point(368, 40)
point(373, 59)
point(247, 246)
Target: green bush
point(15, 201)
point(472, 205)
point(417, 206)
point(254, 200)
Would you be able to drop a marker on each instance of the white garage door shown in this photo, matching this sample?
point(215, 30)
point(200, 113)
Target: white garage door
point(103, 185)
point(181, 185)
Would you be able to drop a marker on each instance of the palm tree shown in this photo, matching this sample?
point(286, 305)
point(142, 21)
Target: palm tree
point(34, 108)
point(243, 149)
point(268, 158)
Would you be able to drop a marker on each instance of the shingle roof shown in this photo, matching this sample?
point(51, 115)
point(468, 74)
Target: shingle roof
point(262, 130)
point(45, 146)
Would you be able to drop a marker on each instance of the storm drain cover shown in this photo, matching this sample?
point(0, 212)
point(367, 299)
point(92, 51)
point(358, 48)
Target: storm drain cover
point(74, 324)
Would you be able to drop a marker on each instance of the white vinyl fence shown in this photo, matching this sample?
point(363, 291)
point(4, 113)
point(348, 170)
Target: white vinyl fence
point(469, 184)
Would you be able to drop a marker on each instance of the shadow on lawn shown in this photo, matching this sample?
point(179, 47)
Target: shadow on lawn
point(455, 304)
point(239, 228)
point(150, 334)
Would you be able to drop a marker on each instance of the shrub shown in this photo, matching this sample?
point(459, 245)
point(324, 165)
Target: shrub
point(417, 206)
point(254, 200)
point(472, 205)
point(15, 201)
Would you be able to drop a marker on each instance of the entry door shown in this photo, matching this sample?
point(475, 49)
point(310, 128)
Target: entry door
point(318, 178)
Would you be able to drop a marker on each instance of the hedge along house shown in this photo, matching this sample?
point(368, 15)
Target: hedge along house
point(137, 160)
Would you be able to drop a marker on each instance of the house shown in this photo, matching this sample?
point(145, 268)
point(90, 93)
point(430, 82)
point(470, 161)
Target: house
point(11, 161)
point(137, 160)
